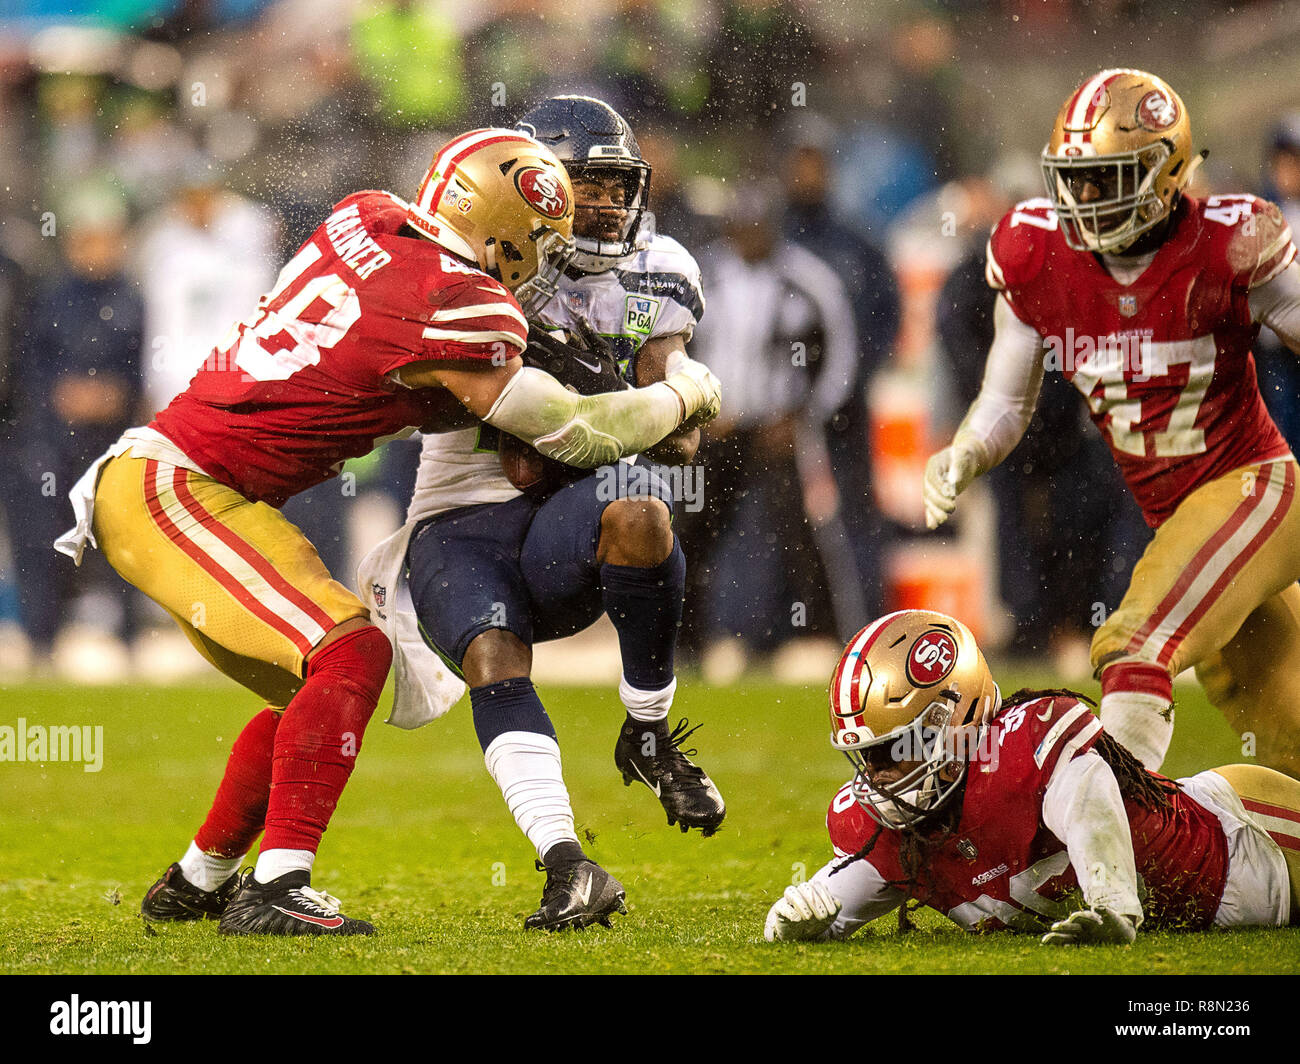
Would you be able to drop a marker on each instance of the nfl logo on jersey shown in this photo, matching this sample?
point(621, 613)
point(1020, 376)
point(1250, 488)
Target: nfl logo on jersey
point(1128, 305)
point(380, 592)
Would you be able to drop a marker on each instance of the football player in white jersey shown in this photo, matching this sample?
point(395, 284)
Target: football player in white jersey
point(494, 569)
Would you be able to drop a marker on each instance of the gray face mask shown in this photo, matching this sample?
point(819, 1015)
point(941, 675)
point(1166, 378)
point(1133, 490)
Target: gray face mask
point(554, 255)
point(599, 254)
point(1127, 204)
point(907, 801)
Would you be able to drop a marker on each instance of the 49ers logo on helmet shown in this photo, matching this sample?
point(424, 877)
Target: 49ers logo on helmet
point(1157, 111)
point(543, 191)
point(931, 658)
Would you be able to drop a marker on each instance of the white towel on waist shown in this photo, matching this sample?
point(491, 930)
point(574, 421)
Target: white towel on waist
point(424, 688)
point(147, 443)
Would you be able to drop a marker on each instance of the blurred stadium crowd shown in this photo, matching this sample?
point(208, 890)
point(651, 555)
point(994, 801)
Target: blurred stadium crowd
point(834, 166)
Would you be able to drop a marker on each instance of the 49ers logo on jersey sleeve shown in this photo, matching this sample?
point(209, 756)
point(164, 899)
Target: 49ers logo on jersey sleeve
point(542, 191)
point(931, 658)
point(1157, 111)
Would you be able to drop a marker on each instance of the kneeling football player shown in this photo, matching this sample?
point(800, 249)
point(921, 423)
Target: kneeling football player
point(1148, 300)
point(1023, 813)
point(494, 570)
point(392, 316)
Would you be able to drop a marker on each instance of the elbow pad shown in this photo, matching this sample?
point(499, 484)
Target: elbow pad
point(584, 430)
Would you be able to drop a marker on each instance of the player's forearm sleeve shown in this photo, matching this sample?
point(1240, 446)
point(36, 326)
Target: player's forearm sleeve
point(583, 430)
point(1277, 305)
point(862, 892)
point(1013, 376)
point(1083, 808)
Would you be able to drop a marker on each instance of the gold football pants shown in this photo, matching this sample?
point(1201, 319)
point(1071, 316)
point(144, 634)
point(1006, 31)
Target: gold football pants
point(1273, 800)
point(1216, 589)
point(243, 583)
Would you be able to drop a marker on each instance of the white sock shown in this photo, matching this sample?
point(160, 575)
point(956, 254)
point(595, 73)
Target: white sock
point(1137, 721)
point(526, 766)
point(272, 864)
point(205, 871)
point(647, 706)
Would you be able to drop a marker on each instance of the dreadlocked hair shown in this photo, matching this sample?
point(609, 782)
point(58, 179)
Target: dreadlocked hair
point(1146, 789)
point(913, 848)
point(867, 847)
point(1033, 694)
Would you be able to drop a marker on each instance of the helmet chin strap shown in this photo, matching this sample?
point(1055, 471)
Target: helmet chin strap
point(598, 256)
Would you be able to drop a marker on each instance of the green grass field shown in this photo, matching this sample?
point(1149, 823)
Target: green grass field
point(423, 845)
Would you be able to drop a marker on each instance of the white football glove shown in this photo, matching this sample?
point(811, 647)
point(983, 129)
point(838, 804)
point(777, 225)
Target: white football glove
point(947, 474)
point(699, 389)
point(1092, 926)
point(805, 910)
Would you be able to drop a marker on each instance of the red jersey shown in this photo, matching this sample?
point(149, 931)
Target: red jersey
point(306, 382)
point(1165, 362)
point(1002, 867)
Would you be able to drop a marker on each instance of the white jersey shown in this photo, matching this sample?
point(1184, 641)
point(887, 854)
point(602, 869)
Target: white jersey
point(654, 292)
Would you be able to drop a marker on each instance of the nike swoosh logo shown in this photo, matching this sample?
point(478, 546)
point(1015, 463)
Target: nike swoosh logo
point(1044, 714)
point(319, 921)
point(585, 893)
point(656, 787)
point(588, 365)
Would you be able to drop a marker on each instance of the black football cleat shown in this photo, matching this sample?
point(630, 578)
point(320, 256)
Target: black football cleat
point(175, 898)
point(286, 906)
point(688, 796)
point(577, 894)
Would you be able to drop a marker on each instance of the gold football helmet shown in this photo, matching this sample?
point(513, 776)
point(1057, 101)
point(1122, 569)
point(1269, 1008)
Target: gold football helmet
point(500, 199)
point(1119, 157)
point(911, 688)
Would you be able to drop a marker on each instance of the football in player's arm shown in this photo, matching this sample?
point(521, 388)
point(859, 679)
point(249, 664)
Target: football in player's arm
point(1023, 814)
point(492, 571)
point(388, 318)
point(1148, 301)
point(588, 363)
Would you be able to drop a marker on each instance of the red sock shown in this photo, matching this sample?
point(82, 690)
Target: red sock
point(318, 740)
point(1138, 677)
point(239, 809)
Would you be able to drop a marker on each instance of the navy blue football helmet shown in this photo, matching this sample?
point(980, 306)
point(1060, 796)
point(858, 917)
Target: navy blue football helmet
point(590, 138)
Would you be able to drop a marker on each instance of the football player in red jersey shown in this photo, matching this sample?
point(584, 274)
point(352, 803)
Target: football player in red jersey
point(1024, 814)
point(1148, 300)
point(392, 316)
